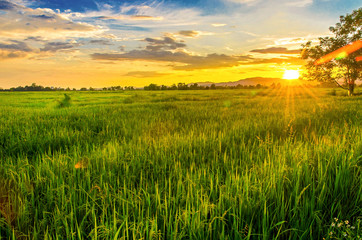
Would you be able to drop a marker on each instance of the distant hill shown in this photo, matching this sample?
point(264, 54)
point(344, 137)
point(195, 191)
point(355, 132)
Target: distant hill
point(246, 82)
point(263, 81)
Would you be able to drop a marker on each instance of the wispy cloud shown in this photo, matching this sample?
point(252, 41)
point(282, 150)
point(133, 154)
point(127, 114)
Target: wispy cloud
point(42, 16)
point(218, 24)
point(276, 50)
point(145, 74)
point(6, 5)
point(5, 55)
point(59, 46)
point(104, 42)
point(281, 60)
point(189, 33)
point(299, 3)
point(145, 17)
point(131, 17)
point(15, 45)
point(187, 61)
point(246, 2)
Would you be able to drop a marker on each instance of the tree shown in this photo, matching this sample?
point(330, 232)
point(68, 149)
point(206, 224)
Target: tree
point(152, 87)
point(182, 86)
point(344, 66)
point(194, 86)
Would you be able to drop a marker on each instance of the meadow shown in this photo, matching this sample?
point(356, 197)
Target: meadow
point(218, 164)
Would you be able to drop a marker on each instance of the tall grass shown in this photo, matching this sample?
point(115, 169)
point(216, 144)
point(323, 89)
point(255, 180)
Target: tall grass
point(230, 164)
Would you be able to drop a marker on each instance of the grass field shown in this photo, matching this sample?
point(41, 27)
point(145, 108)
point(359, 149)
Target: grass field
point(223, 164)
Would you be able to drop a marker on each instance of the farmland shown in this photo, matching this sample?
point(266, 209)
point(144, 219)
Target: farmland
point(218, 164)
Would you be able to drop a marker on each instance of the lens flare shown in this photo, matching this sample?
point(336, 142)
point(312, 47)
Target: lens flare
point(340, 53)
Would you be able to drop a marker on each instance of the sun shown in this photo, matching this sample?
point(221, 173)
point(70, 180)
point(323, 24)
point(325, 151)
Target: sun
point(291, 74)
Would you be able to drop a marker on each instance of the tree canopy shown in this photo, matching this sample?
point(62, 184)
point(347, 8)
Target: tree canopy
point(345, 65)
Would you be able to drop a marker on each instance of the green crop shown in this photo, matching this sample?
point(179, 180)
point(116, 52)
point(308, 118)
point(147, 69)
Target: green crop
point(223, 164)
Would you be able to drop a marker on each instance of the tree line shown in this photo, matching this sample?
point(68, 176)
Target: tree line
point(155, 87)
point(152, 86)
point(38, 88)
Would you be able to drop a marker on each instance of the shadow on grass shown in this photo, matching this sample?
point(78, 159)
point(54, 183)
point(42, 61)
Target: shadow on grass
point(66, 102)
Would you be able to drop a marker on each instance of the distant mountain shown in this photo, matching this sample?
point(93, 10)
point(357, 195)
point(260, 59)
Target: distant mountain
point(246, 82)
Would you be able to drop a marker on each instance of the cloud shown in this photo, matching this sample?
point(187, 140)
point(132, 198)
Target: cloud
point(145, 74)
point(297, 40)
point(36, 39)
point(218, 24)
point(135, 9)
point(14, 49)
point(169, 49)
point(301, 3)
point(42, 16)
point(287, 60)
point(101, 42)
point(21, 21)
point(277, 50)
point(58, 46)
point(128, 27)
point(145, 17)
point(16, 45)
point(190, 62)
point(250, 33)
point(189, 33)
point(212, 61)
point(167, 43)
point(6, 5)
point(5, 55)
point(21, 49)
point(131, 17)
point(247, 2)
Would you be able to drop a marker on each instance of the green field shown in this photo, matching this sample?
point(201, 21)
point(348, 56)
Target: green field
point(223, 164)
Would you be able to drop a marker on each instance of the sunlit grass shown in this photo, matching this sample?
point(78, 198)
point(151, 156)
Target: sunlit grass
point(272, 164)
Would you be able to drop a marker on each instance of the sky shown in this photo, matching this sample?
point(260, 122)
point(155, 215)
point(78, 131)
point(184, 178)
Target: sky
point(101, 43)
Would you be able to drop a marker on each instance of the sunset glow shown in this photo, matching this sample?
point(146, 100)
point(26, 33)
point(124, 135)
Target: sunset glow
point(132, 43)
point(291, 74)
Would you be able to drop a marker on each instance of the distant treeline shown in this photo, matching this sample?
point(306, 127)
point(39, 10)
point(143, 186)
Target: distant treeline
point(153, 87)
point(35, 87)
point(195, 86)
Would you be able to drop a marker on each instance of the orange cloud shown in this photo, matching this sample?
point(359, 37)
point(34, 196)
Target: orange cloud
point(189, 33)
point(5, 54)
point(290, 60)
point(145, 74)
point(276, 50)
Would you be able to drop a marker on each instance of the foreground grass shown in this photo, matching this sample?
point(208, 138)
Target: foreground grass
point(232, 164)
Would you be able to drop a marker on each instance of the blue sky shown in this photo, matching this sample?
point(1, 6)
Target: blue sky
point(207, 6)
point(110, 42)
point(86, 5)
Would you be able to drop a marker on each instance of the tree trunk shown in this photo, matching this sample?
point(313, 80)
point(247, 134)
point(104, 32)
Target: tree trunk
point(350, 89)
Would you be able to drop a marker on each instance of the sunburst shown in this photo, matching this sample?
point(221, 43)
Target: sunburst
point(291, 74)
